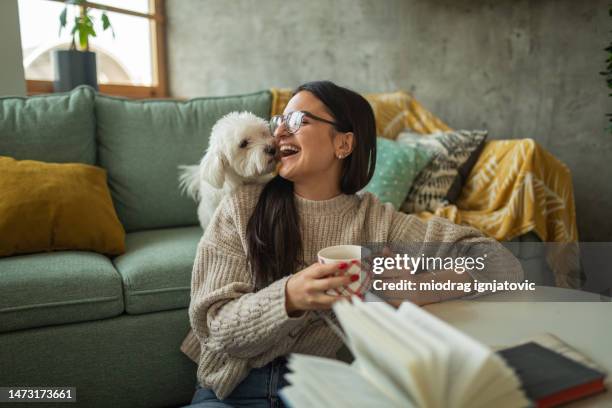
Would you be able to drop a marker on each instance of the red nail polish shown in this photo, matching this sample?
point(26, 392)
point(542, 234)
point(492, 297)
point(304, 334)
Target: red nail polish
point(354, 277)
point(342, 265)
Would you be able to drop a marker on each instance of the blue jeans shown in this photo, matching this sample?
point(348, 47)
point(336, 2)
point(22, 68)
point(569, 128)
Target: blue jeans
point(259, 389)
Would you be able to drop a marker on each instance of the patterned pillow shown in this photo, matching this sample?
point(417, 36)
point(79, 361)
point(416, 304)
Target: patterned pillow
point(396, 168)
point(453, 152)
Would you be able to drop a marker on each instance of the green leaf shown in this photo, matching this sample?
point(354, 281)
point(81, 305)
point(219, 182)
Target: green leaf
point(62, 19)
point(90, 30)
point(76, 26)
point(83, 40)
point(106, 24)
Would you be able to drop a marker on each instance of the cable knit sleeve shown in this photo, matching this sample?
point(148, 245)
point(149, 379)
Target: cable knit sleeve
point(500, 264)
point(225, 314)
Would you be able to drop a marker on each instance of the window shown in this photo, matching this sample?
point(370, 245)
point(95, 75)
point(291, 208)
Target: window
point(132, 63)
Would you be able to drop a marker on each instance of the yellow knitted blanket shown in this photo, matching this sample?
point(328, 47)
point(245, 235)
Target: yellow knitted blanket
point(515, 187)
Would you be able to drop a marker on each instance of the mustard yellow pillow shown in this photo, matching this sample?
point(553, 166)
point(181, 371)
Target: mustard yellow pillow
point(50, 206)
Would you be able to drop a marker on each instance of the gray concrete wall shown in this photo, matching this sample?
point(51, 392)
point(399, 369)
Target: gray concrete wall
point(519, 68)
point(12, 81)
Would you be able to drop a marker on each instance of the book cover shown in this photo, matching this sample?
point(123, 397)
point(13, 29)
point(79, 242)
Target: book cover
point(549, 378)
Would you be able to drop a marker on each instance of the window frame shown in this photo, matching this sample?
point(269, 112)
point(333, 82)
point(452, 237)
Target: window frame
point(160, 72)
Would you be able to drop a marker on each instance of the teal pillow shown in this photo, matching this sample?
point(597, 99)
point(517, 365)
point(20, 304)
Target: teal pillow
point(55, 128)
point(141, 143)
point(397, 166)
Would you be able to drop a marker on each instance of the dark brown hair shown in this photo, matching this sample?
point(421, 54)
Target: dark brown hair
point(273, 231)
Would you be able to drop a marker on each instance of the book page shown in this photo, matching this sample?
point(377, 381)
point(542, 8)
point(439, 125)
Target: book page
point(418, 342)
point(298, 398)
point(331, 383)
point(377, 357)
point(472, 365)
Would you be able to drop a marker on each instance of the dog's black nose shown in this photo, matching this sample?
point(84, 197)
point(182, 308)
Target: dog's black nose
point(270, 149)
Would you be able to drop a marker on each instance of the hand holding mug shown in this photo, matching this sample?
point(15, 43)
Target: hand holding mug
point(309, 288)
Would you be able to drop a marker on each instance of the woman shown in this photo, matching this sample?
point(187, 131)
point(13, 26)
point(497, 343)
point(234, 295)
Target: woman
point(256, 281)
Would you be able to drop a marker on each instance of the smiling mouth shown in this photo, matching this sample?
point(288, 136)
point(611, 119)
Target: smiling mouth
point(288, 150)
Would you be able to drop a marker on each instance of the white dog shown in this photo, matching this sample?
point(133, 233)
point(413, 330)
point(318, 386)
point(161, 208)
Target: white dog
point(241, 150)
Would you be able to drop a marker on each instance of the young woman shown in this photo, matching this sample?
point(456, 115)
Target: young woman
point(256, 280)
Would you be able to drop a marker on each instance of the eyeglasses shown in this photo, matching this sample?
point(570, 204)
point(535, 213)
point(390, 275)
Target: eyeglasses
point(293, 121)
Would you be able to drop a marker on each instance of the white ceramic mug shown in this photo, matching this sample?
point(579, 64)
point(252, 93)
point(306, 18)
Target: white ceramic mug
point(351, 255)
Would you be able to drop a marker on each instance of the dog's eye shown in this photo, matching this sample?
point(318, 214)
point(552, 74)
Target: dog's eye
point(243, 144)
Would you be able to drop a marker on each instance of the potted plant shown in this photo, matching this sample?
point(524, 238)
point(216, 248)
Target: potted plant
point(77, 66)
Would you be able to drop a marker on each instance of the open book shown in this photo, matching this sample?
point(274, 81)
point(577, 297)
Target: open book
point(403, 358)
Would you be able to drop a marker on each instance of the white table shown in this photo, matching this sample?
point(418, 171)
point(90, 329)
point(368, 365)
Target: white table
point(579, 319)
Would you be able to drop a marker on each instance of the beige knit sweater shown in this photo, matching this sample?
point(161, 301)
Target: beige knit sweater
point(235, 329)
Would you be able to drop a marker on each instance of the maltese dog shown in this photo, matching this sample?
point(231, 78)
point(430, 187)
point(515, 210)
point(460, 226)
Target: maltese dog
point(241, 150)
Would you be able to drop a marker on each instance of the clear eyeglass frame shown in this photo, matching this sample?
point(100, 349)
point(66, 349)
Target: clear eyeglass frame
point(293, 121)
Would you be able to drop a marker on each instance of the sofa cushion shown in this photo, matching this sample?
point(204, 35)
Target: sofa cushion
point(56, 206)
point(56, 288)
point(122, 362)
point(397, 166)
point(142, 143)
point(156, 268)
point(56, 128)
point(438, 184)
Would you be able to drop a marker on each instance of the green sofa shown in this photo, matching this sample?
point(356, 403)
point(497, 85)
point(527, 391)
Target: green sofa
point(112, 327)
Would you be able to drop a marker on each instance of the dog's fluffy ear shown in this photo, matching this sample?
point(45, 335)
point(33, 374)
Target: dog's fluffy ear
point(212, 169)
